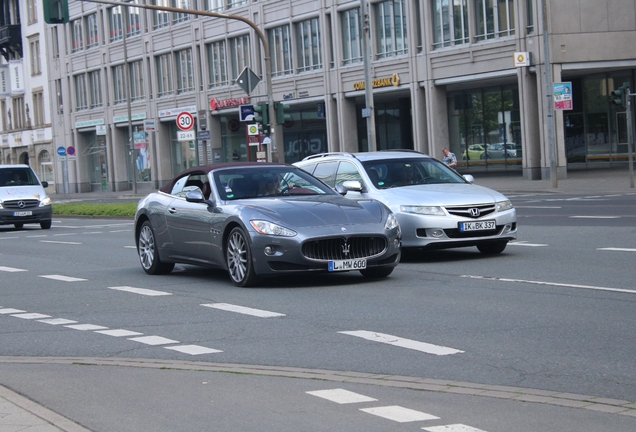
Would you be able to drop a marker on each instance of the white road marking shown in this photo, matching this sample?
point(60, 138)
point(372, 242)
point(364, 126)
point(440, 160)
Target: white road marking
point(130, 247)
point(399, 414)
point(539, 207)
point(116, 231)
point(8, 238)
point(153, 340)
point(85, 327)
point(142, 291)
point(525, 243)
point(591, 287)
point(119, 332)
point(617, 249)
point(243, 310)
point(31, 316)
point(59, 242)
point(57, 321)
point(595, 217)
point(452, 428)
point(404, 343)
point(36, 236)
point(65, 234)
point(341, 396)
point(94, 232)
point(7, 311)
point(193, 349)
point(62, 278)
point(11, 269)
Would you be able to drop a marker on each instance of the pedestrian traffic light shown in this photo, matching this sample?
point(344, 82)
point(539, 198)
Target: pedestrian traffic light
point(281, 117)
point(261, 113)
point(55, 11)
point(619, 95)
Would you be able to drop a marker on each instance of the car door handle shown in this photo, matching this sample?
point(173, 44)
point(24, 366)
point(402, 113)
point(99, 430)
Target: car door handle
point(172, 210)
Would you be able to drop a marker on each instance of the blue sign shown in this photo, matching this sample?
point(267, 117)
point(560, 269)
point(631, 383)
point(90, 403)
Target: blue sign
point(61, 151)
point(246, 112)
point(203, 135)
point(70, 150)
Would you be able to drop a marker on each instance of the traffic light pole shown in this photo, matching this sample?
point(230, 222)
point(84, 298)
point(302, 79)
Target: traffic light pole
point(630, 135)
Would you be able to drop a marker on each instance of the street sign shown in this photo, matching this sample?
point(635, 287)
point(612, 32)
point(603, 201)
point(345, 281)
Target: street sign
point(100, 130)
point(189, 135)
point(247, 80)
point(150, 125)
point(246, 112)
point(203, 135)
point(70, 150)
point(185, 121)
point(61, 151)
point(252, 129)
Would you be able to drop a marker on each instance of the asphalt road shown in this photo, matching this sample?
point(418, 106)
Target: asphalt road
point(553, 314)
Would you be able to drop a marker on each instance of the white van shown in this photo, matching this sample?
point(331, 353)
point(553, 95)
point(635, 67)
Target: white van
point(23, 199)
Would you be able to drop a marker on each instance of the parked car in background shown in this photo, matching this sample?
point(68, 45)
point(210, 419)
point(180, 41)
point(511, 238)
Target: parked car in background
point(500, 151)
point(230, 216)
point(436, 207)
point(474, 152)
point(23, 199)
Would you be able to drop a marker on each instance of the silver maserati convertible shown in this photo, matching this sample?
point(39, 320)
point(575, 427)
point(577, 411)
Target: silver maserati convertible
point(256, 219)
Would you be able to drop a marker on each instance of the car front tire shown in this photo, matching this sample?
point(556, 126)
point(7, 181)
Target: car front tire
point(238, 256)
point(148, 252)
point(45, 225)
point(18, 225)
point(377, 272)
point(492, 248)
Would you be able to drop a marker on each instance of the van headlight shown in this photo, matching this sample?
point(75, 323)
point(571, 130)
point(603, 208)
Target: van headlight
point(44, 202)
point(423, 210)
point(504, 205)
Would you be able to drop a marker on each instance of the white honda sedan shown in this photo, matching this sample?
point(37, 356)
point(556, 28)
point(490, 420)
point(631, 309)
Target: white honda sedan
point(437, 208)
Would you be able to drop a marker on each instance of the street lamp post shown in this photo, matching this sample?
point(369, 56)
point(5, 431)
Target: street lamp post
point(548, 94)
point(368, 85)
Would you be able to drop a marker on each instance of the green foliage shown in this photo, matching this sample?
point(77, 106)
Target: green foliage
point(126, 209)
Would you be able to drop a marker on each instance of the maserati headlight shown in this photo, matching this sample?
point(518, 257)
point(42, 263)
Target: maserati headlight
point(391, 222)
point(265, 227)
point(45, 201)
point(423, 210)
point(504, 205)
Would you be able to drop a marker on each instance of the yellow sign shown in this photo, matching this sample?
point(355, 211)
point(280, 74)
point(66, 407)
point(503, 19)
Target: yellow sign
point(393, 80)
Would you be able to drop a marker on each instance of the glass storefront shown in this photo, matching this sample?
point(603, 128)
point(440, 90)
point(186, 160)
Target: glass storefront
point(96, 155)
point(305, 134)
point(485, 126)
point(184, 154)
point(393, 125)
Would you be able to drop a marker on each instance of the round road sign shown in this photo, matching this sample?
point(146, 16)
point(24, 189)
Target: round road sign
point(185, 121)
point(61, 151)
point(70, 150)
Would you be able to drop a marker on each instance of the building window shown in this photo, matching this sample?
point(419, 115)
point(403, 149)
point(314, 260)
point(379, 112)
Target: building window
point(308, 34)
point(391, 28)
point(240, 53)
point(450, 22)
point(164, 74)
point(214, 5)
point(160, 18)
point(217, 64)
point(351, 36)
point(494, 18)
point(34, 48)
point(119, 86)
point(530, 16)
point(46, 167)
point(58, 96)
point(280, 50)
point(81, 97)
point(55, 41)
point(92, 37)
point(32, 11)
point(178, 17)
point(17, 110)
point(3, 114)
point(237, 3)
point(78, 38)
point(116, 23)
point(95, 83)
point(134, 21)
point(38, 109)
point(136, 77)
point(185, 71)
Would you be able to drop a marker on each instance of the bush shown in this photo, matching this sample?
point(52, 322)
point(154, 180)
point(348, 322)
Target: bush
point(126, 209)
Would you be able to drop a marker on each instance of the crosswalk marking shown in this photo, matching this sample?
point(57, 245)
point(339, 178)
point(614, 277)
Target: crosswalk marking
point(31, 316)
point(57, 321)
point(118, 332)
point(193, 349)
point(85, 327)
point(62, 278)
point(154, 340)
point(404, 343)
point(452, 428)
point(399, 414)
point(7, 311)
point(11, 269)
point(341, 396)
point(243, 310)
point(142, 291)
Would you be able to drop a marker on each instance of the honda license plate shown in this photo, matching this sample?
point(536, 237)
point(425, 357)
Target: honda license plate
point(477, 226)
point(23, 213)
point(344, 265)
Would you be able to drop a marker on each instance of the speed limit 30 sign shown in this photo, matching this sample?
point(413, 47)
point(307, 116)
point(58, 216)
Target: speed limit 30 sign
point(185, 121)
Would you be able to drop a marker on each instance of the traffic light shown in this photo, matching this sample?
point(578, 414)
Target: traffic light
point(261, 113)
point(55, 11)
point(619, 95)
point(281, 117)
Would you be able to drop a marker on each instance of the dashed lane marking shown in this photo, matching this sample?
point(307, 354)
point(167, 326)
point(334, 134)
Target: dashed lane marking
point(63, 278)
point(525, 243)
point(8, 311)
point(31, 316)
point(86, 327)
point(193, 349)
point(617, 249)
point(57, 321)
point(11, 269)
point(590, 287)
point(154, 340)
point(595, 217)
point(403, 343)
point(399, 414)
point(60, 242)
point(119, 333)
point(141, 291)
point(452, 428)
point(341, 396)
point(36, 236)
point(243, 310)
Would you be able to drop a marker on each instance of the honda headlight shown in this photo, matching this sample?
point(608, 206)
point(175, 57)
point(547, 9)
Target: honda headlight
point(265, 227)
point(391, 222)
point(423, 210)
point(504, 205)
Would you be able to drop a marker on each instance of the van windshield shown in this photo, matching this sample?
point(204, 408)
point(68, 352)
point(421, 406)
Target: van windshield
point(17, 177)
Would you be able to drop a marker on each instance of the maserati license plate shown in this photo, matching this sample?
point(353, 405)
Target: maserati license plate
point(344, 265)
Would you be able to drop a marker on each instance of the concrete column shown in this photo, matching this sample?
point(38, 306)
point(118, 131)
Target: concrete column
point(530, 107)
point(420, 124)
point(437, 120)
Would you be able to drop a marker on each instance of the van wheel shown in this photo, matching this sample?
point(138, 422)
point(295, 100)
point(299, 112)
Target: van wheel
point(45, 225)
point(18, 225)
